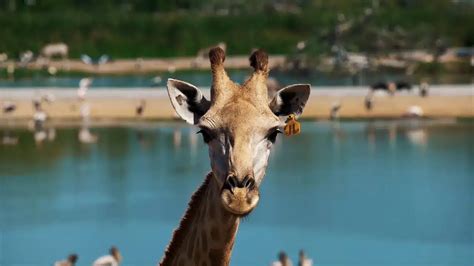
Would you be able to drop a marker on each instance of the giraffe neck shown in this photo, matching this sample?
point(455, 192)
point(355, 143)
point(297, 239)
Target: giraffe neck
point(206, 233)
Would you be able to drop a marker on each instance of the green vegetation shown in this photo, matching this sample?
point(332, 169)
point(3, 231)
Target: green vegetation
point(163, 28)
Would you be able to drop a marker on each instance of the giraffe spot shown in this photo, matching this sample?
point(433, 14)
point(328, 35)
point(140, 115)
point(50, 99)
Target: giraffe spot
point(217, 257)
point(197, 256)
point(215, 233)
point(180, 262)
point(198, 242)
point(212, 212)
point(204, 243)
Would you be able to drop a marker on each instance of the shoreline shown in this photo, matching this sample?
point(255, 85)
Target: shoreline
point(111, 105)
point(138, 65)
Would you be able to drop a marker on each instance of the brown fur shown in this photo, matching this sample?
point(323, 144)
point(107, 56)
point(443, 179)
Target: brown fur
point(216, 56)
point(259, 60)
point(186, 222)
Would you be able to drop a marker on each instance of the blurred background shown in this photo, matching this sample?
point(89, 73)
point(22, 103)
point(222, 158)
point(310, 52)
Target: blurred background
point(92, 154)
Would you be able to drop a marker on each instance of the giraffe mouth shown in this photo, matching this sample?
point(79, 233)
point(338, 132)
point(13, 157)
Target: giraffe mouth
point(239, 201)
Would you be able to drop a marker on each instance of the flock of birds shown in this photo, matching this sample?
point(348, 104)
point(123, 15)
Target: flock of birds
point(284, 260)
point(42, 133)
point(114, 258)
point(37, 123)
point(389, 88)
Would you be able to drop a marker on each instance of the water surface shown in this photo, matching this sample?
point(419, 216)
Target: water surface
point(203, 79)
point(349, 193)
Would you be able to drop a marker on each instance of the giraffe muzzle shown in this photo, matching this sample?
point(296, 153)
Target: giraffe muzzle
point(239, 196)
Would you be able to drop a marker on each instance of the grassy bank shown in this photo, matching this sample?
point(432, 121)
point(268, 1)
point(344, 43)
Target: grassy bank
point(148, 31)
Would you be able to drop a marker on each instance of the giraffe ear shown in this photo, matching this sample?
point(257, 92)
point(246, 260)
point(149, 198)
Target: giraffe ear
point(290, 100)
point(187, 100)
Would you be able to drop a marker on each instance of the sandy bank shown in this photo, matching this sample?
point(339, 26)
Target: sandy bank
point(120, 104)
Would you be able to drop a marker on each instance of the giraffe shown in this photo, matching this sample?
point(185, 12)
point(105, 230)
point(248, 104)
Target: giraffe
point(239, 124)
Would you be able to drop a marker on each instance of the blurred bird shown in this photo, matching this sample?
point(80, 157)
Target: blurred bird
point(368, 102)
point(86, 59)
point(140, 108)
point(8, 107)
point(301, 45)
point(103, 59)
point(334, 113)
point(84, 85)
point(391, 87)
point(414, 111)
point(303, 260)
point(156, 80)
point(70, 261)
point(86, 137)
point(424, 86)
point(39, 116)
point(113, 259)
point(283, 260)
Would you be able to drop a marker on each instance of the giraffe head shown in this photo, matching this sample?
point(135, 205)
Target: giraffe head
point(239, 124)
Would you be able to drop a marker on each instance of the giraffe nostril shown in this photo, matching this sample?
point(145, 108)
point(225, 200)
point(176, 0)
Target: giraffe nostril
point(243, 183)
point(250, 183)
point(232, 182)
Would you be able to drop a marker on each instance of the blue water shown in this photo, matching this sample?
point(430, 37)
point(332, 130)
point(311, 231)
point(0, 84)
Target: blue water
point(203, 78)
point(349, 193)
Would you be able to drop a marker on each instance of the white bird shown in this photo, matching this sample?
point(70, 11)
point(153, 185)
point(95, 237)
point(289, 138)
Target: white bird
point(414, 111)
point(70, 261)
point(157, 80)
point(84, 85)
point(303, 260)
point(103, 59)
point(283, 260)
point(113, 259)
point(39, 116)
point(86, 59)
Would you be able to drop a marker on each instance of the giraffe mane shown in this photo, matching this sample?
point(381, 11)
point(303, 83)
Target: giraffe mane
point(186, 221)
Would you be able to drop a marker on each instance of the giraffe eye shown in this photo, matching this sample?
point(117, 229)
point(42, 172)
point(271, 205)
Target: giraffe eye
point(206, 135)
point(273, 134)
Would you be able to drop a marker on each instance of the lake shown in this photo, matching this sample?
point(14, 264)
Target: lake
point(203, 78)
point(349, 193)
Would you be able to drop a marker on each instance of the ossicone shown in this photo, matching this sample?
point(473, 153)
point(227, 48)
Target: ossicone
point(259, 60)
point(216, 56)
